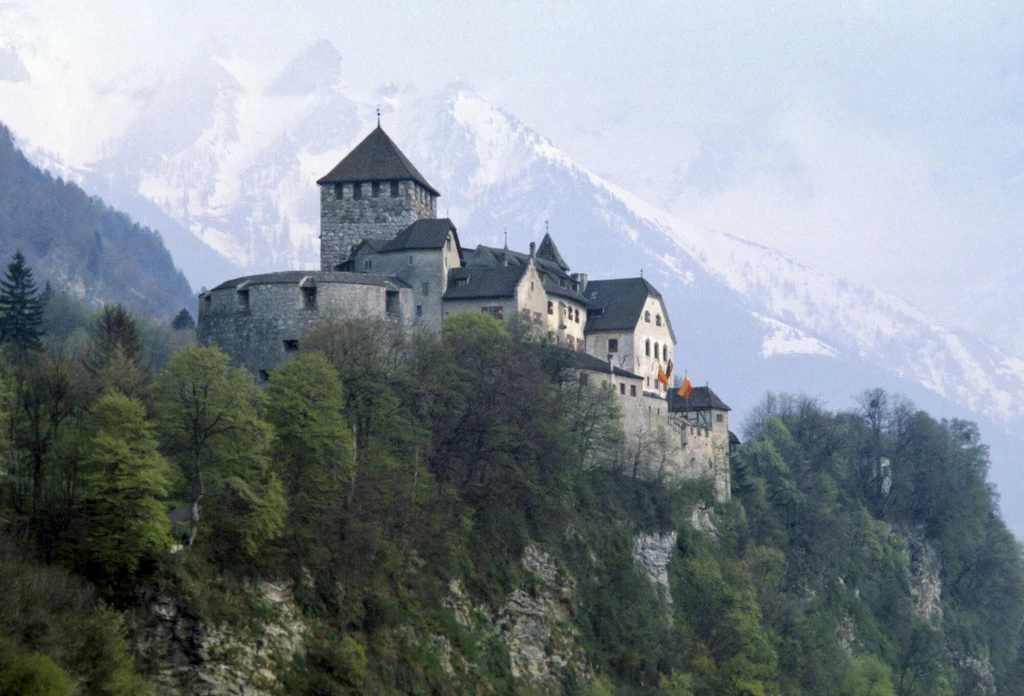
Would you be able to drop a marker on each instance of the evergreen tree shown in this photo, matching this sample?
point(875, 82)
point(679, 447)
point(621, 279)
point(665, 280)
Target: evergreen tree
point(21, 311)
point(183, 320)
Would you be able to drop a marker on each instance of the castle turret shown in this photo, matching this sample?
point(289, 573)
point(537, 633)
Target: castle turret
point(374, 193)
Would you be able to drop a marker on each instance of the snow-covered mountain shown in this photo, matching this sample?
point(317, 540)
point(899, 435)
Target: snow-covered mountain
point(224, 160)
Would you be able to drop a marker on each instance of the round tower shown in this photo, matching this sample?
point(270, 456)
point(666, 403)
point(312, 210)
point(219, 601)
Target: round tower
point(373, 193)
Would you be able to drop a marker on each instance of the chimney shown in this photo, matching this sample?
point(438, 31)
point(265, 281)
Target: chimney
point(583, 282)
point(533, 249)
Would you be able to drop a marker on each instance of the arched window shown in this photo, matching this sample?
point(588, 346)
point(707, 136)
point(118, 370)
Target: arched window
point(647, 348)
point(657, 355)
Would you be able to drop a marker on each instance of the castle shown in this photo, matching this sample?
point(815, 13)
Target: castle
point(385, 253)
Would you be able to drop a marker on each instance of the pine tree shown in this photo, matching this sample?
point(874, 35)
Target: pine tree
point(183, 320)
point(21, 312)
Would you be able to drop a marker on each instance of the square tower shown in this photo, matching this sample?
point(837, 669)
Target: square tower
point(373, 193)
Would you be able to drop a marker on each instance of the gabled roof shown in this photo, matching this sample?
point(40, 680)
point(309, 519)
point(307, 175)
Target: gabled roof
point(617, 305)
point(592, 363)
point(377, 158)
point(547, 250)
point(423, 234)
point(701, 399)
point(551, 272)
point(482, 283)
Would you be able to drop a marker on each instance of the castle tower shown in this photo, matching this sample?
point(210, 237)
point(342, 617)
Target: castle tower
point(374, 193)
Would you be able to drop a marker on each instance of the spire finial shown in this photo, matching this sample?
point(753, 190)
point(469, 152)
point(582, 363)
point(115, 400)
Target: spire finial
point(545, 227)
point(641, 273)
point(378, 115)
point(506, 239)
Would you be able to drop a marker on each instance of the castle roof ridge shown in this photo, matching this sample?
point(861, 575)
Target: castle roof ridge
point(376, 158)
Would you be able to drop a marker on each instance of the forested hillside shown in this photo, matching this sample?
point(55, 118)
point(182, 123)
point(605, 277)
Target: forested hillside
point(79, 244)
point(455, 513)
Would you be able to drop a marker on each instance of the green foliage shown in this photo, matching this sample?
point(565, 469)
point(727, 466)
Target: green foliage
point(208, 419)
point(125, 482)
point(33, 675)
point(21, 311)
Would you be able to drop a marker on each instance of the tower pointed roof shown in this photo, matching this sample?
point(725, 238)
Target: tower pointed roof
point(377, 158)
point(548, 250)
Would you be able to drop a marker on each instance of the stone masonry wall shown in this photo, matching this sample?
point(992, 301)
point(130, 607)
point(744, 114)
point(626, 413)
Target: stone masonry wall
point(347, 221)
point(255, 339)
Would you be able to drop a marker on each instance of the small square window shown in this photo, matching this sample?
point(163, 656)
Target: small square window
point(291, 345)
point(613, 345)
point(375, 189)
point(718, 417)
point(394, 189)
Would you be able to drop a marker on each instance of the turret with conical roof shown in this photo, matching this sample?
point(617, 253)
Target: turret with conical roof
point(373, 193)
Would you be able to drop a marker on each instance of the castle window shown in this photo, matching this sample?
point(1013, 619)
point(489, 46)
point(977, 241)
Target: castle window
point(622, 388)
point(391, 302)
point(537, 317)
point(718, 417)
point(357, 190)
point(291, 345)
point(531, 286)
point(449, 243)
point(419, 310)
point(647, 348)
point(657, 354)
point(551, 307)
point(461, 282)
point(410, 260)
point(577, 316)
point(375, 189)
point(632, 390)
point(338, 191)
point(394, 189)
point(657, 320)
point(426, 288)
point(368, 264)
point(584, 378)
point(263, 375)
point(309, 298)
point(208, 299)
point(613, 345)
point(647, 318)
point(243, 300)
point(496, 311)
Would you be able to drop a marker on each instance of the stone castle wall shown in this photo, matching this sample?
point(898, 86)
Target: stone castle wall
point(255, 335)
point(345, 221)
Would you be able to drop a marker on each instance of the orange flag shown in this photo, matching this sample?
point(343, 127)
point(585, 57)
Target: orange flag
point(662, 377)
point(686, 389)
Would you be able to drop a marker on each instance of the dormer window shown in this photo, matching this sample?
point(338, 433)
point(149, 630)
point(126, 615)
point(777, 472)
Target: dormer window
point(394, 189)
point(367, 264)
point(375, 189)
point(461, 282)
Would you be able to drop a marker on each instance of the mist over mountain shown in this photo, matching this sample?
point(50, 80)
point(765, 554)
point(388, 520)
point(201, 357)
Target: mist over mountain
point(80, 245)
point(224, 162)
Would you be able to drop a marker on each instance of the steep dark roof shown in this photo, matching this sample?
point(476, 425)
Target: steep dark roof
point(702, 399)
point(733, 438)
point(483, 282)
point(586, 361)
point(422, 234)
point(616, 305)
point(548, 250)
point(295, 277)
point(553, 274)
point(377, 158)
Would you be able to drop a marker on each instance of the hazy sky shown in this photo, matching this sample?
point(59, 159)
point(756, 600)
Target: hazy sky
point(882, 141)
